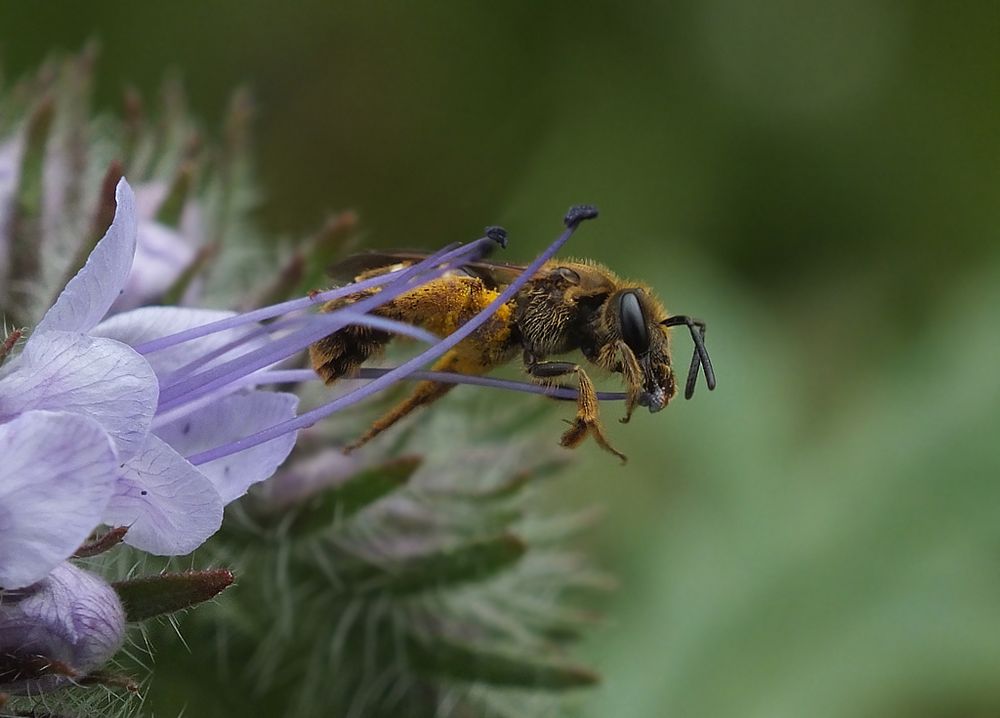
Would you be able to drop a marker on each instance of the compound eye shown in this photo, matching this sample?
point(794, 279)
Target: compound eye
point(633, 323)
point(568, 274)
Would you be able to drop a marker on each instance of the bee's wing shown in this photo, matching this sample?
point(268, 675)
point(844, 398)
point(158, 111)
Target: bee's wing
point(351, 267)
point(493, 274)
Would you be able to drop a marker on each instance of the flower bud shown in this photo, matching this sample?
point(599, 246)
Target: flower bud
point(62, 627)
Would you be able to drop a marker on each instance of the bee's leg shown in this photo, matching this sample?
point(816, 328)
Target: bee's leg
point(586, 407)
point(632, 373)
point(425, 393)
point(618, 358)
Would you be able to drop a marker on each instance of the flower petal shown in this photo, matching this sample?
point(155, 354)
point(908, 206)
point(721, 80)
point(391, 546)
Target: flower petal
point(89, 295)
point(228, 419)
point(142, 325)
point(170, 507)
point(75, 373)
point(56, 477)
point(161, 255)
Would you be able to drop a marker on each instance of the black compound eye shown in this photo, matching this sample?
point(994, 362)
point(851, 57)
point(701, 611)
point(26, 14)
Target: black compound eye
point(633, 323)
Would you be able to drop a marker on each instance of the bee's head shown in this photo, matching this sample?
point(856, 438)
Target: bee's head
point(643, 326)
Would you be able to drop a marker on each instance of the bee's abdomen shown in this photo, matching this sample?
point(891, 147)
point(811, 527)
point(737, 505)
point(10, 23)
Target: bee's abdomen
point(341, 353)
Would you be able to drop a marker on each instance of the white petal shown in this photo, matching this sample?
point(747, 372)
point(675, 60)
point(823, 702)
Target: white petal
point(234, 417)
point(169, 506)
point(89, 295)
point(56, 477)
point(99, 378)
point(147, 323)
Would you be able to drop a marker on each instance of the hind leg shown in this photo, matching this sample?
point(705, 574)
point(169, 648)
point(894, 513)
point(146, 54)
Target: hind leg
point(426, 392)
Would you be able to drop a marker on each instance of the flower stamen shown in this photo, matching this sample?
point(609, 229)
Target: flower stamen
point(573, 220)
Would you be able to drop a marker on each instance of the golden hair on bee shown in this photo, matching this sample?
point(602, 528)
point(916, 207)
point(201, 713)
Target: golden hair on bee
point(568, 305)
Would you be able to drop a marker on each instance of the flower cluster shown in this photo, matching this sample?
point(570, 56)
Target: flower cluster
point(151, 419)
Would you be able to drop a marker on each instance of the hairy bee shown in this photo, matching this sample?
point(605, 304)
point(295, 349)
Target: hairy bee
point(567, 305)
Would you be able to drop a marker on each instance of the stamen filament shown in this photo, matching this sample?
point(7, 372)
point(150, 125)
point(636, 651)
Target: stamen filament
point(452, 255)
point(295, 376)
point(196, 386)
point(347, 315)
point(573, 220)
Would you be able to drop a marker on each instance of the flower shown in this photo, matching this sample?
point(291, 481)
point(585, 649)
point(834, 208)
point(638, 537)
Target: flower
point(59, 629)
point(153, 417)
point(82, 383)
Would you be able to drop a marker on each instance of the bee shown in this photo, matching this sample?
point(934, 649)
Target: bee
point(567, 306)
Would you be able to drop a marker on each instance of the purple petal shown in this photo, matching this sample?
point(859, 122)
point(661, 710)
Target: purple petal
point(170, 507)
point(56, 477)
point(89, 295)
point(228, 419)
point(161, 255)
point(71, 616)
point(75, 373)
point(148, 323)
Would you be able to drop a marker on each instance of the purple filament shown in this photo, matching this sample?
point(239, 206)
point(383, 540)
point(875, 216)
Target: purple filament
point(193, 387)
point(283, 376)
point(453, 254)
point(403, 370)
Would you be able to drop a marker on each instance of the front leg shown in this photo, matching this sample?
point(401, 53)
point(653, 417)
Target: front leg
point(586, 405)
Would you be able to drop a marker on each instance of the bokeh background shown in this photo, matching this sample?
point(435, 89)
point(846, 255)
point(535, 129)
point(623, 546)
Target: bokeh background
point(817, 179)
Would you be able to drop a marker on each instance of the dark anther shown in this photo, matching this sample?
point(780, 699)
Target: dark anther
point(498, 235)
point(700, 357)
point(578, 213)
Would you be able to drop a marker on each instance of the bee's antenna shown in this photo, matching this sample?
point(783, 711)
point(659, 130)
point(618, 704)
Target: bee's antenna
point(700, 358)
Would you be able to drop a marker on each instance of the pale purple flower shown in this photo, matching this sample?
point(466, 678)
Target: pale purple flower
point(70, 375)
point(71, 617)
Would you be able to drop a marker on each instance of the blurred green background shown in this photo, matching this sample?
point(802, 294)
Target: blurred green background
point(819, 180)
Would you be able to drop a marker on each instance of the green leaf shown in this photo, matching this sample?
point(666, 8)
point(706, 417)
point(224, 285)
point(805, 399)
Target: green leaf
point(151, 596)
point(444, 658)
point(473, 561)
point(349, 497)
